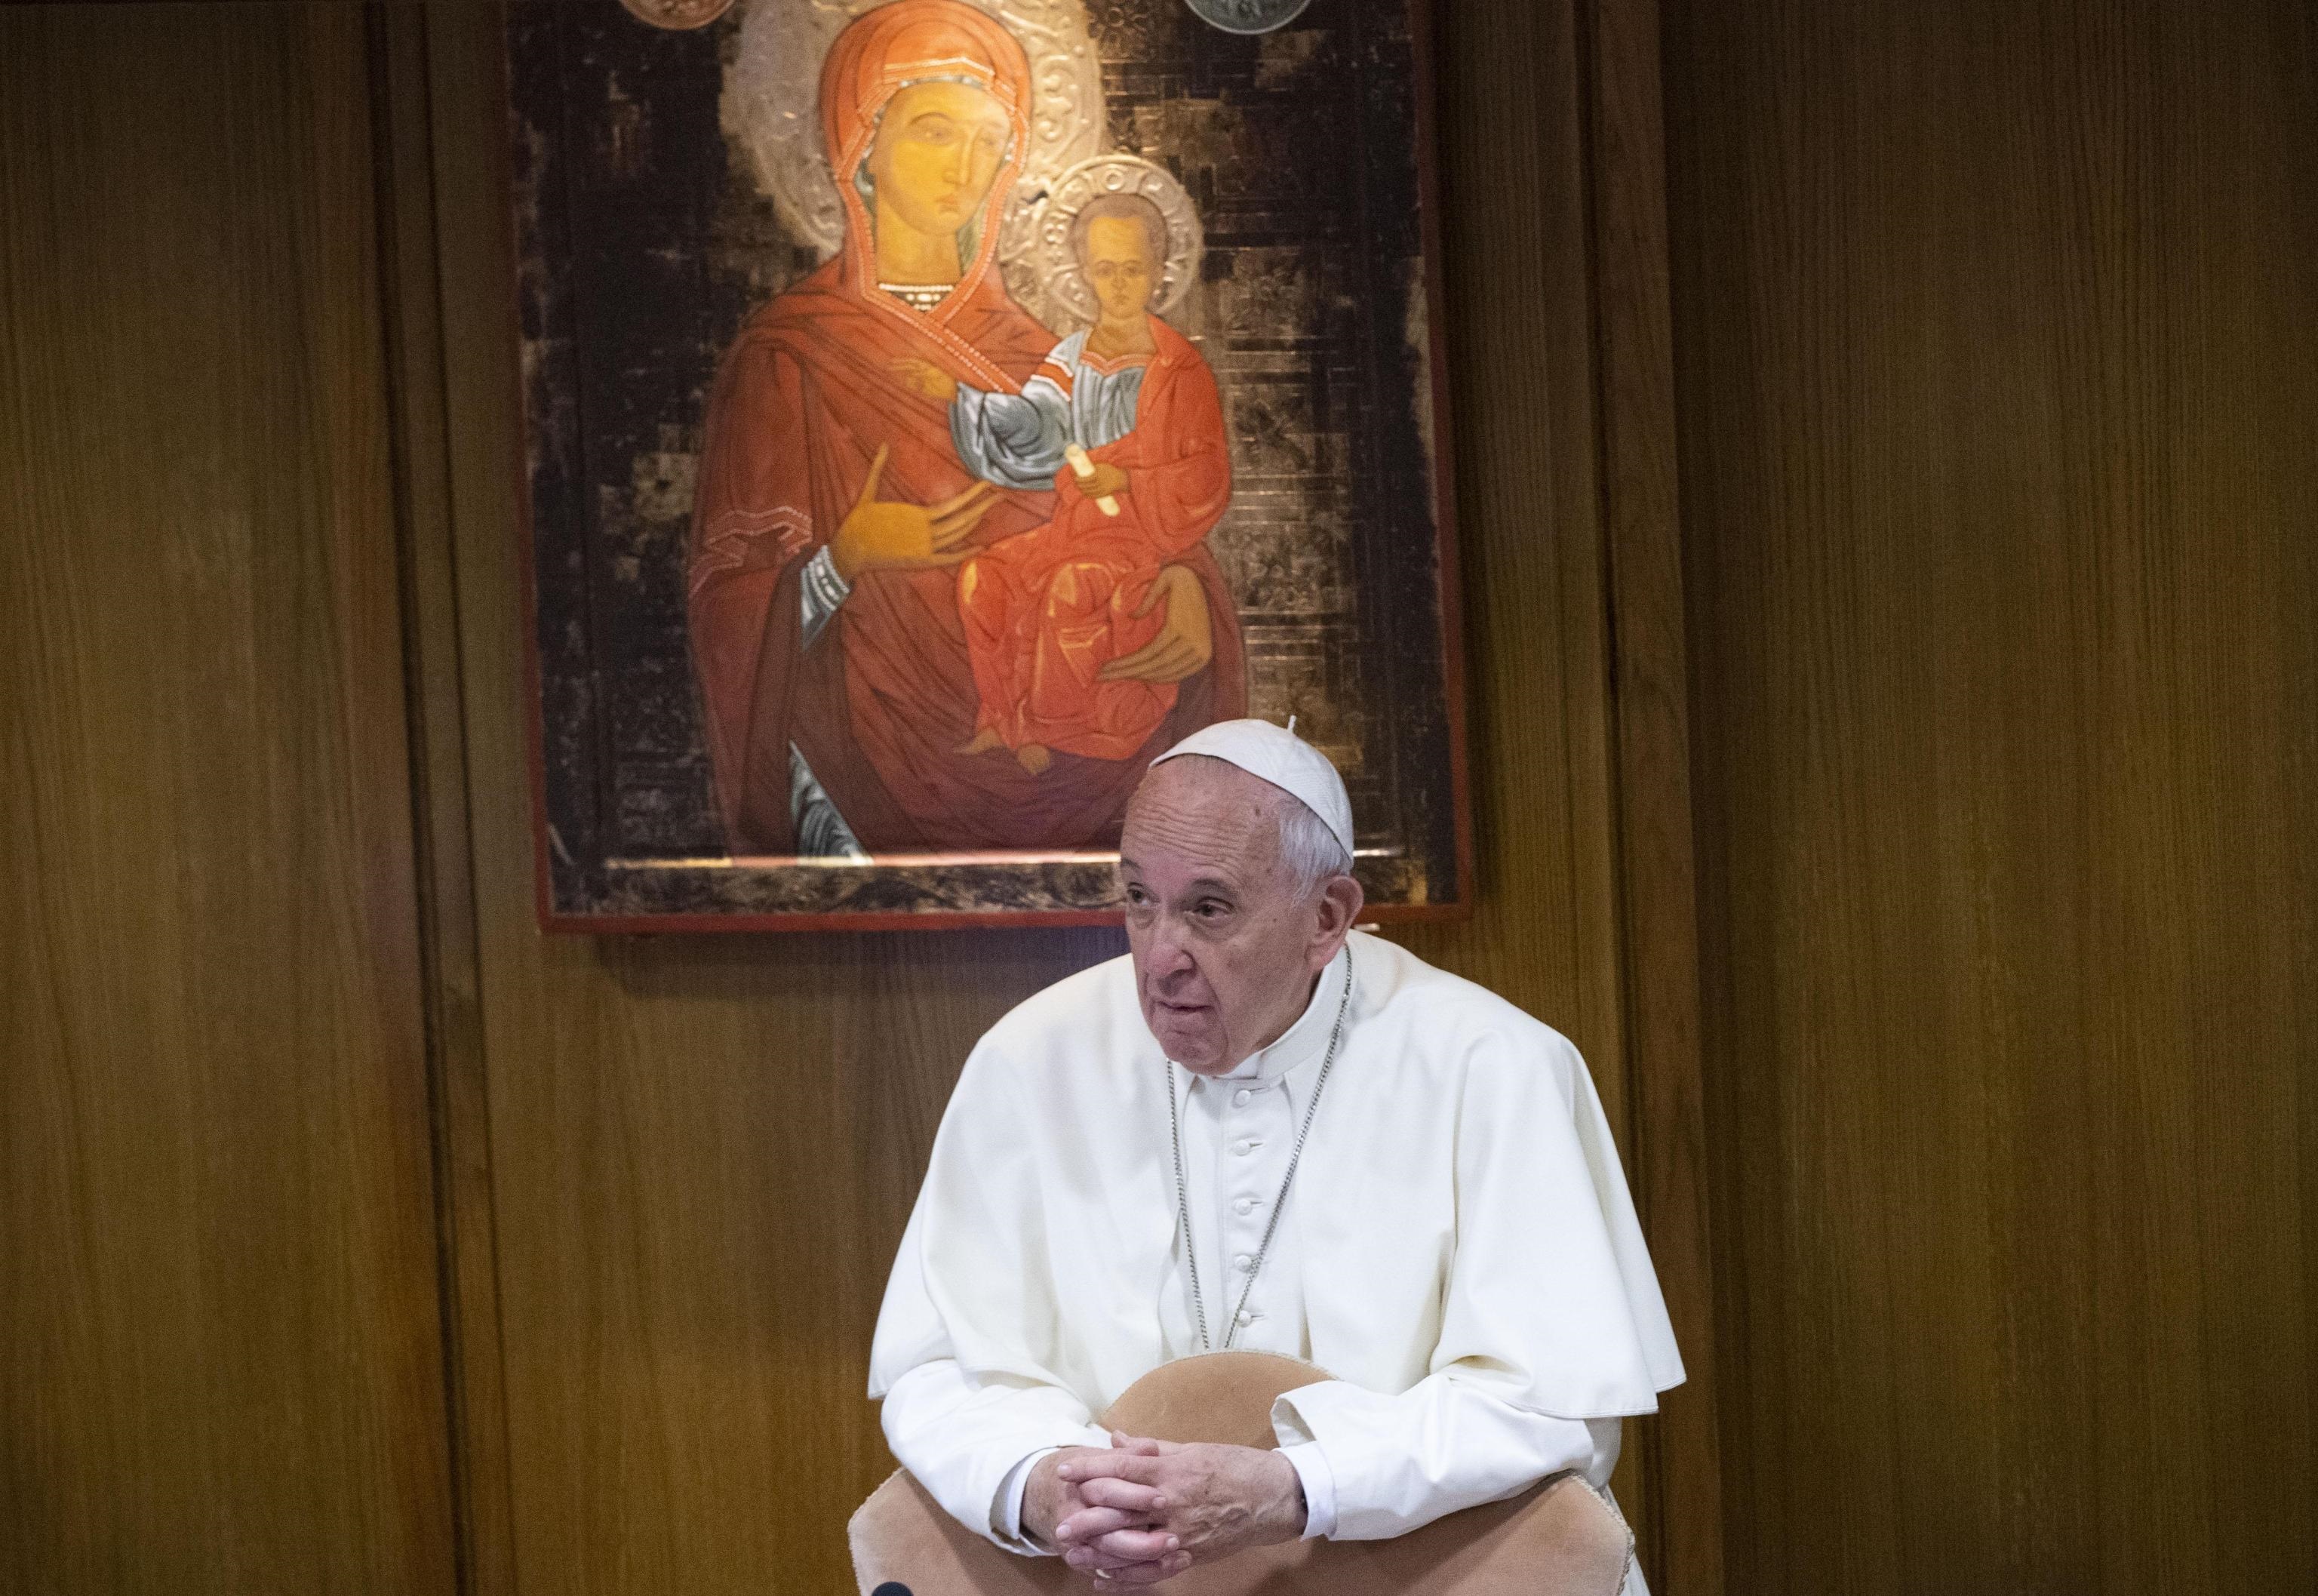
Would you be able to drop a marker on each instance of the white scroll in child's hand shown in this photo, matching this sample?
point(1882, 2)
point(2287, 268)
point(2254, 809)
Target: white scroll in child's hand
point(1082, 467)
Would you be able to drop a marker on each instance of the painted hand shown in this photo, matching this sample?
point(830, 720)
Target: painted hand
point(1210, 1501)
point(926, 380)
point(1186, 641)
point(877, 535)
point(1107, 478)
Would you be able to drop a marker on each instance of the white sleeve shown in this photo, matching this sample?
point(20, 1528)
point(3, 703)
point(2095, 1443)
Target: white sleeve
point(1006, 1512)
point(1312, 1473)
point(1395, 1463)
point(819, 593)
point(969, 1442)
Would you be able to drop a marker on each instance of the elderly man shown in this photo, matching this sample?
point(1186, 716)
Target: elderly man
point(1262, 1129)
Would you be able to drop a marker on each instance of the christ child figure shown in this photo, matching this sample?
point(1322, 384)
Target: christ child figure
point(1125, 423)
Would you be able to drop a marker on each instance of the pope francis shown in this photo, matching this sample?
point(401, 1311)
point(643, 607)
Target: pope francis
point(1262, 1129)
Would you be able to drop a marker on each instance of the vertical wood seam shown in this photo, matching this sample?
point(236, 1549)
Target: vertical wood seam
point(410, 291)
point(1647, 677)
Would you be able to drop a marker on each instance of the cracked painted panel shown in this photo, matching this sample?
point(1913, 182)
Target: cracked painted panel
point(671, 181)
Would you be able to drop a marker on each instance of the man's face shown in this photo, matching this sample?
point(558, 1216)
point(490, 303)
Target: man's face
point(1225, 948)
point(1119, 264)
point(938, 146)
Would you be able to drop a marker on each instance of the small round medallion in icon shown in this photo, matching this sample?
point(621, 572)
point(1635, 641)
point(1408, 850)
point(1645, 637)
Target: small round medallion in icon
point(1247, 16)
point(678, 16)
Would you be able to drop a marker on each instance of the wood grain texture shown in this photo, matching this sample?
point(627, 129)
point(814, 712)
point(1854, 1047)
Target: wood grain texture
point(1651, 814)
point(1998, 383)
point(219, 1358)
point(459, 1119)
point(702, 1150)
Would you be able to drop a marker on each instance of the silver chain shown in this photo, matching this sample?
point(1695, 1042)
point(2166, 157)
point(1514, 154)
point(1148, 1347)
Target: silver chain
point(1183, 1187)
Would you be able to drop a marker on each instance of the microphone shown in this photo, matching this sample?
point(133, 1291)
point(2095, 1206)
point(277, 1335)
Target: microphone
point(891, 1587)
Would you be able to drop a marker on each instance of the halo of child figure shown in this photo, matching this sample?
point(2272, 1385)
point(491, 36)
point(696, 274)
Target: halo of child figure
point(1123, 420)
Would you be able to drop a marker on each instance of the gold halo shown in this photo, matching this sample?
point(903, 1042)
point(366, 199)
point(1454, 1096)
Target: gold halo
point(1035, 252)
point(771, 105)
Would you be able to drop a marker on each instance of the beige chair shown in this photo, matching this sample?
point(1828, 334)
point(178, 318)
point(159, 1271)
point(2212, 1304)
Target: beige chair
point(1558, 1538)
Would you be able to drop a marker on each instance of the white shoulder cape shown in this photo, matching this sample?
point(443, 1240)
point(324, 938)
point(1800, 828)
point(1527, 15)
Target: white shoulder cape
point(1461, 1204)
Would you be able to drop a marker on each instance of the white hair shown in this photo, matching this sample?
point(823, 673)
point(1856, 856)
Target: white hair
point(1309, 851)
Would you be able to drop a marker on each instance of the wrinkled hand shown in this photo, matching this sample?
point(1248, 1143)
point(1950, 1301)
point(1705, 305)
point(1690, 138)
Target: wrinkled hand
point(1186, 640)
point(877, 535)
point(1118, 1514)
point(926, 380)
point(1205, 1502)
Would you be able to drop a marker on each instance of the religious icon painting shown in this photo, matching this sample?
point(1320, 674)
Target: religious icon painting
point(936, 409)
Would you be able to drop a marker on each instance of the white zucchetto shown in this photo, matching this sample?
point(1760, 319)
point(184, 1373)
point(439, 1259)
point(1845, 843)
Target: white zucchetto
point(1277, 755)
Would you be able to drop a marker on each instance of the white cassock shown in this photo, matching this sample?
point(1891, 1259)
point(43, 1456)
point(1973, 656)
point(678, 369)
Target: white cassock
point(1458, 1249)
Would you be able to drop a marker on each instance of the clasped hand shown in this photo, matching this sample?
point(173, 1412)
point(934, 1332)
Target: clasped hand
point(1145, 1510)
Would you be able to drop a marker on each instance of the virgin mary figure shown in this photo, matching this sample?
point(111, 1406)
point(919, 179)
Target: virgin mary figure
point(831, 509)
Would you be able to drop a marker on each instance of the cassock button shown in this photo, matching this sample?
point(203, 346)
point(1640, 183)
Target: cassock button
point(1241, 1097)
point(1247, 1317)
point(1245, 1205)
point(1242, 1262)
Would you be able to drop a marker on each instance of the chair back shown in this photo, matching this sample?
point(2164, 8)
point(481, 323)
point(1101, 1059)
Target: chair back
point(1560, 1537)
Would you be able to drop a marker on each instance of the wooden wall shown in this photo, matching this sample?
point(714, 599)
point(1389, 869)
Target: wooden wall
point(702, 1150)
point(1996, 334)
point(220, 1364)
point(358, 1236)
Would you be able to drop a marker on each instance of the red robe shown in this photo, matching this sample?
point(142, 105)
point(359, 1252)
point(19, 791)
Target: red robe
point(1045, 610)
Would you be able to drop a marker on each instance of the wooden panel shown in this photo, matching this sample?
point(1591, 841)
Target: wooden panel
point(1557, 329)
point(702, 1150)
point(219, 1358)
point(1998, 383)
point(1681, 1532)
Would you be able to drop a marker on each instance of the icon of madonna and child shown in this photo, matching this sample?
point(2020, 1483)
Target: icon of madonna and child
point(950, 589)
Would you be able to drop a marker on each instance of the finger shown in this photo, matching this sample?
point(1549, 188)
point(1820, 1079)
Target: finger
point(1135, 1546)
point(1125, 1495)
point(958, 501)
point(1129, 668)
point(1173, 658)
point(1158, 661)
point(1151, 597)
point(1091, 1524)
point(1093, 1558)
point(948, 529)
point(1144, 1573)
point(966, 504)
point(876, 469)
point(1141, 1468)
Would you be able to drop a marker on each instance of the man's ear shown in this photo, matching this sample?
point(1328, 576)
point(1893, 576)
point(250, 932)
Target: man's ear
point(1340, 906)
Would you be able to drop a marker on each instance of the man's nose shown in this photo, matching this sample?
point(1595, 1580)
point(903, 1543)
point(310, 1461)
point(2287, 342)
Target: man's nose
point(1165, 957)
